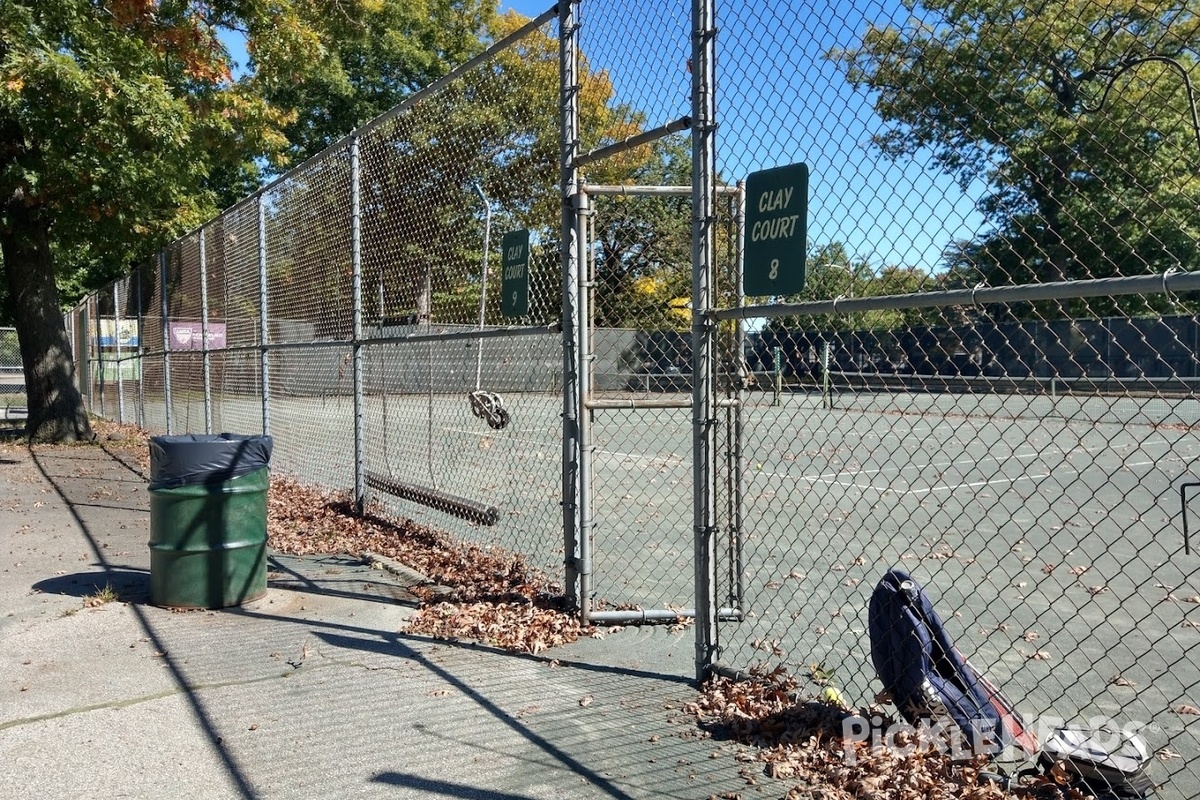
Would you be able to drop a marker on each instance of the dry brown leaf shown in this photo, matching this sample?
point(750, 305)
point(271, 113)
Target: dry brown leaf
point(1186, 709)
point(586, 700)
point(1077, 571)
point(1120, 680)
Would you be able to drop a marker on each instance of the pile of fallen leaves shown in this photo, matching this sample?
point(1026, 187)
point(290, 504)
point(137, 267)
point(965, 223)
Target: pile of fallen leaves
point(127, 443)
point(801, 741)
point(484, 594)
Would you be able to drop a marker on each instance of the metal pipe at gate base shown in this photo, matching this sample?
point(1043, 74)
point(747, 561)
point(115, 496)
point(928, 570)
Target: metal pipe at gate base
point(656, 615)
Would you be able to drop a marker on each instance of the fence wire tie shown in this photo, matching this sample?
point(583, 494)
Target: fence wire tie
point(974, 290)
point(837, 299)
point(1166, 276)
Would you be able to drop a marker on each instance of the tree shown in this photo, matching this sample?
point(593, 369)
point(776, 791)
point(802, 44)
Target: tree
point(116, 119)
point(372, 59)
point(1048, 105)
point(493, 131)
point(643, 246)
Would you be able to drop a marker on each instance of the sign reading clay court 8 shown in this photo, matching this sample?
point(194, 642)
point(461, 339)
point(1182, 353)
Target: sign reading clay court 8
point(515, 280)
point(776, 230)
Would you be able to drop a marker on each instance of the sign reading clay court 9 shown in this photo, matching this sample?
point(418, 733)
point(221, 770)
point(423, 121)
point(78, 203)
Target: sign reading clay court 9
point(776, 230)
point(515, 278)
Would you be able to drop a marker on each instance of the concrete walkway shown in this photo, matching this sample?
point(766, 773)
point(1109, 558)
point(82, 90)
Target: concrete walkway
point(309, 692)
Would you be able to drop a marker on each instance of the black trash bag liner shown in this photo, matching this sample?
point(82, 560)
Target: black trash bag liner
point(201, 459)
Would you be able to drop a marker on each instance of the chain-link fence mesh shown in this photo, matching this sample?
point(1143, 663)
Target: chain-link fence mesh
point(249, 324)
point(955, 391)
point(12, 374)
point(463, 399)
point(1022, 460)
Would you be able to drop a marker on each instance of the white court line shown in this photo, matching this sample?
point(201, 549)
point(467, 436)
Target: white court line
point(556, 446)
point(975, 484)
point(832, 477)
point(837, 478)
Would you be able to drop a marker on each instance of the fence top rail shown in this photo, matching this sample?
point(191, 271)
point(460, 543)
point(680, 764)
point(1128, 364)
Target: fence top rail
point(635, 190)
point(318, 344)
point(1163, 283)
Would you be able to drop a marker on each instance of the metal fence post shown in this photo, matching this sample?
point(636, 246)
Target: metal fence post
point(140, 415)
point(735, 465)
point(584, 380)
point(204, 337)
point(95, 343)
point(117, 345)
point(264, 355)
point(84, 356)
point(570, 254)
point(166, 339)
point(703, 172)
point(356, 294)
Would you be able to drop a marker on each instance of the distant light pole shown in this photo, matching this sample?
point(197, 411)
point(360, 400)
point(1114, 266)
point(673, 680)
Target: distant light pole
point(853, 275)
point(851, 271)
point(487, 233)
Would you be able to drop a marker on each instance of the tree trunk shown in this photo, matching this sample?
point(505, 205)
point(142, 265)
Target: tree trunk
point(56, 411)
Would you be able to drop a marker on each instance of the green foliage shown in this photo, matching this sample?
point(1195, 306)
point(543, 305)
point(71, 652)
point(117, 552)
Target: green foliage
point(115, 118)
point(642, 246)
point(1048, 106)
point(372, 59)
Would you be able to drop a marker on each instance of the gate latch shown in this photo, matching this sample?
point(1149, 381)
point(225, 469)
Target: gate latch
point(1183, 487)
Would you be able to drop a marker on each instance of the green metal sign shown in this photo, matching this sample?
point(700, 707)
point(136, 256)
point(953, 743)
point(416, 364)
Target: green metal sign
point(776, 231)
point(515, 263)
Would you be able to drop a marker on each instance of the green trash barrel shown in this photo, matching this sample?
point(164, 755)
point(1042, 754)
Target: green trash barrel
point(208, 519)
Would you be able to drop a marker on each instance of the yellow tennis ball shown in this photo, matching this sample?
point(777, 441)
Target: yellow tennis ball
point(832, 696)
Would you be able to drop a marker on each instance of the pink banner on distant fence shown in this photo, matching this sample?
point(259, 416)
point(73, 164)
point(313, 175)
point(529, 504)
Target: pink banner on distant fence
point(187, 335)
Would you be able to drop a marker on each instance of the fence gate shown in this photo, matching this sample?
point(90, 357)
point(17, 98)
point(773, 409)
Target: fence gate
point(636, 433)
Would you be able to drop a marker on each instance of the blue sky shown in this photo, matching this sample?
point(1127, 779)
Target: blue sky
point(779, 101)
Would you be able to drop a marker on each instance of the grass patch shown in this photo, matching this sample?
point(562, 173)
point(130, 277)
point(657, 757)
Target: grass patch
point(102, 596)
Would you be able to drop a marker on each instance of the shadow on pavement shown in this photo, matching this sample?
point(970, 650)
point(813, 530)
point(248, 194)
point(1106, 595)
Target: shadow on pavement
point(236, 773)
point(130, 585)
point(443, 788)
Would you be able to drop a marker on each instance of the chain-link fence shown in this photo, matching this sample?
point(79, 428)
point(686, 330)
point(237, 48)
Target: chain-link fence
point(986, 376)
point(12, 375)
point(972, 386)
point(353, 310)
